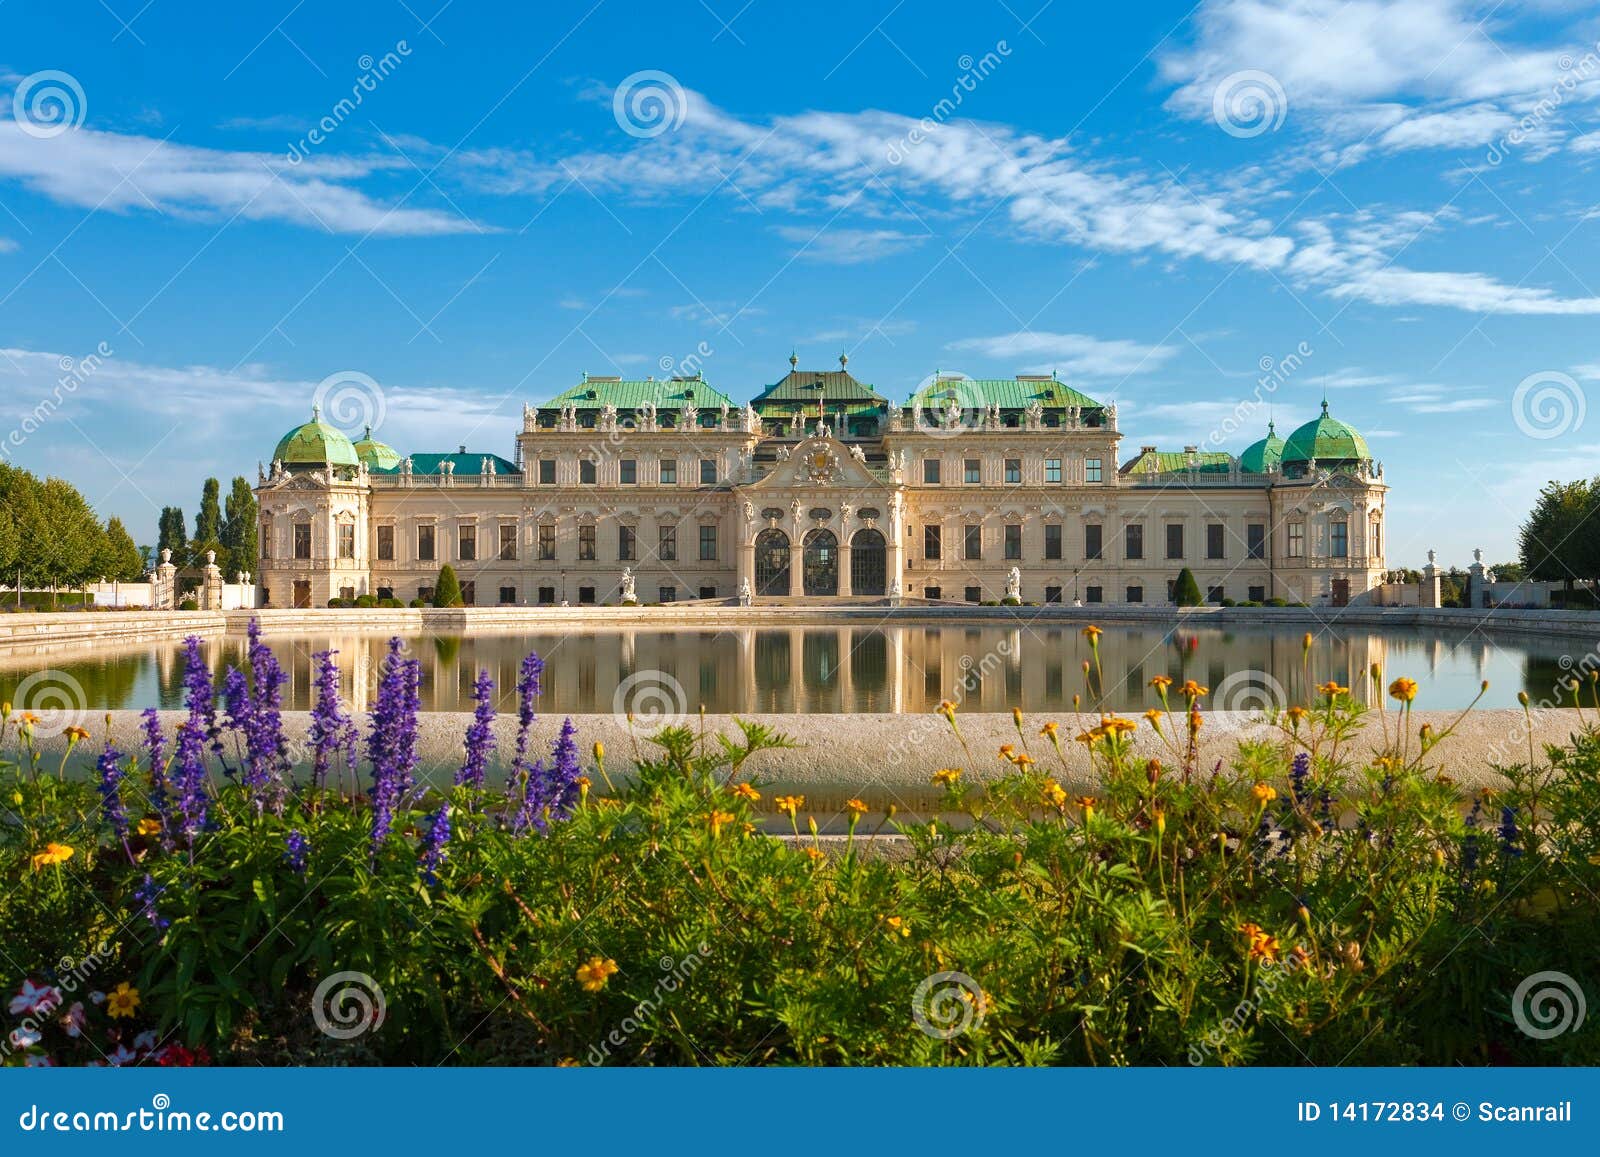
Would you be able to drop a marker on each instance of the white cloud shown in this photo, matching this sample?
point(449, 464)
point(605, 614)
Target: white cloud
point(848, 246)
point(1072, 354)
point(7, 245)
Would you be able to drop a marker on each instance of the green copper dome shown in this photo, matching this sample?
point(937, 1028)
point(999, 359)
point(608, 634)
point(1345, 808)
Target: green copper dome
point(314, 444)
point(375, 454)
point(1262, 457)
point(1326, 440)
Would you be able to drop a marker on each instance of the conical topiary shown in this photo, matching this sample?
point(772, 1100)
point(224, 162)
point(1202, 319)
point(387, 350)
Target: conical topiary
point(447, 590)
point(1186, 593)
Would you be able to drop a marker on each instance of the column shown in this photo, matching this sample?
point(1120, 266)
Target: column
point(796, 561)
point(844, 566)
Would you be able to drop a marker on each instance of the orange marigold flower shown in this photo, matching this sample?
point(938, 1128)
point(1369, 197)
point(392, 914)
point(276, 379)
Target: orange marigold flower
point(898, 924)
point(1054, 794)
point(717, 819)
point(948, 710)
point(76, 734)
point(148, 827)
point(1404, 690)
point(1007, 750)
point(789, 804)
point(1092, 632)
point(1160, 682)
point(53, 853)
point(1049, 730)
point(1330, 689)
point(947, 776)
point(1023, 760)
point(1116, 725)
point(745, 792)
point(856, 807)
point(1295, 714)
point(1251, 931)
point(813, 854)
point(1153, 717)
point(1193, 690)
point(594, 972)
point(1264, 948)
point(1264, 793)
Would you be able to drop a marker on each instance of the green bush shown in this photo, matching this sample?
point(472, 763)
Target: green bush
point(366, 601)
point(188, 605)
point(1275, 601)
point(1186, 592)
point(447, 590)
point(390, 602)
point(419, 602)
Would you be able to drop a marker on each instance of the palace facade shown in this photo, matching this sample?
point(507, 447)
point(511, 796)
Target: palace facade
point(822, 488)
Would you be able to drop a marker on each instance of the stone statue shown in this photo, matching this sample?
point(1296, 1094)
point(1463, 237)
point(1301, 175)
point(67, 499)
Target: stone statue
point(166, 556)
point(1477, 555)
point(487, 466)
point(1014, 584)
point(845, 511)
point(628, 595)
point(858, 454)
point(406, 466)
point(722, 417)
point(744, 592)
point(691, 416)
point(752, 423)
point(749, 511)
point(895, 591)
point(795, 506)
point(1431, 557)
point(782, 454)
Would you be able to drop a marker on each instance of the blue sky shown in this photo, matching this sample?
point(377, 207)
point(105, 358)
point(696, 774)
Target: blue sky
point(1161, 203)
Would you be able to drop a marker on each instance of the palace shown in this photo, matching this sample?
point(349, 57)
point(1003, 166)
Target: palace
point(821, 487)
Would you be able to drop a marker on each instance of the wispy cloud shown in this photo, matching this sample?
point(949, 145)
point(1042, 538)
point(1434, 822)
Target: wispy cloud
point(848, 246)
point(1074, 354)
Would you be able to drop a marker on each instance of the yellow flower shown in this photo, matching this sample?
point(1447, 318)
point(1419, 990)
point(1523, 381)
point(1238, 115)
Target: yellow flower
point(745, 792)
point(1115, 725)
point(1330, 689)
point(1160, 682)
point(1404, 690)
point(1023, 760)
point(567, 1063)
point(53, 853)
point(948, 710)
point(898, 924)
point(1086, 802)
point(1193, 690)
point(717, 819)
point(1092, 633)
point(947, 776)
point(1305, 642)
point(122, 1000)
point(1016, 717)
point(1264, 793)
point(813, 854)
point(148, 827)
point(1007, 751)
point(1296, 714)
point(599, 751)
point(594, 972)
point(1250, 930)
point(856, 807)
point(1264, 948)
point(1056, 796)
point(789, 804)
point(76, 734)
point(1049, 730)
point(1153, 717)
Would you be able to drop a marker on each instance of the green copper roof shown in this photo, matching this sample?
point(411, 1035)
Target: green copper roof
point(835, 388)
point(315, 443)
point(1007, 393)
point(1262, 457)
point(1177, 462)
point(375, 454)
point(1327, 440)
point(466, 462)
point(595, 393)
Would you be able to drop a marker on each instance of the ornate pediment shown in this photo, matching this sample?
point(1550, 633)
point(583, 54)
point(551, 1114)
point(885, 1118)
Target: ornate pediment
point(818, 461)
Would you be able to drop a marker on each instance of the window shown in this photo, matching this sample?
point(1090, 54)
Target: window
point(1013, 541)
point(1174, 540)
point(1135, 594)
point(1213, 540)
point(586, 543)
point(667, 544)
point(425, 543)
point(425, 594)
point(1052, 540)
point(508, 595)
point(586, 596)
point(386, 544)
point(547, 542)
point(932, 543)
point(469, 543)
point(1092, 544)
point(508, 542)
point(1297, 540)
point(708, 592)
point(972, 542)
point(586, 472)
point(1213, 594)
point(302, 540)
point(930, 471)
point(1052, 470)
point(669, 471)
point(1013, 471)
point(974, 594)
point(708, 544)
point(708, 472)
point(1093, 595)
point(629, 472)
point(1255, 538)
point(547, 472)
point(1258, 594)
point(1091, 469)
point(1133, 540)
point(971, 471)
point(666, 594)
point(469, 593)
point(1341, 539)
point(386, 592)
point(347, 540)
point(1052, 594)
point(625, 544)
point(266, 538)
point(547, 596)
point(1377, 538)
point(348, 594)
point(934, 593)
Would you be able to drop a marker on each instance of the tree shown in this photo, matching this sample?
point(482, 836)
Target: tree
point(1186, 593)
point(122, 560)
point(171, 535)
point(239, 527)
point(208, 526)
point(447, 590)
point(1558, 542)
point(1509, 572)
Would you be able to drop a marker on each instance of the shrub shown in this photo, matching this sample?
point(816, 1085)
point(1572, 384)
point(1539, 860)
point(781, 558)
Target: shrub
point(185, 605)
point(366, 601)
point(447, 590)
point(419, 602)
point(1275, 601)
point(1186, 592)
point(389, 601)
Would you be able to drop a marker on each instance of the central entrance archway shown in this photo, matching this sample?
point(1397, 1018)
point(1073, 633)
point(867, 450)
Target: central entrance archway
point(772, 563)
point(820, 565)
point(868, 563)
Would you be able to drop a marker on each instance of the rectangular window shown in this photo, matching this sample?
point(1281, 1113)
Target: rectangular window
point(1377, 539)
point(1091, 470)
point(547, 472)
point(1052, 594)
point(586, 543)
point(469, 593)
point(625, 544)
point(469, 543)
point(1297, 540)
point(933, 593)
point(974, 594)
point(1341, 539)
point(425, 594)
point(1174, 540)
point(302, 540)
point(667, 544)
point(1052, 470)
point(547, 542)
point(1133, 540)
point(932, 543)
point(1214, 541)
point(508, 542)
point(587, 472)
point(547, 596)
point(1214, 594)
point(930, 471)
point(708, 592)
point(708, 472)
point(1092, 540)
point(1093, 595)
point(666, 594)
point(972, 542)
point(708, 544)
point(586, 596)
point(1052, 540)
point(347, 540)
point(425, 551)
point(1255, 537)
point(628, 472)
point(972, 471)
point(1136, 594)
point(266, 538)
point(1258, 594)
point(1013, 541)
point(386, 544)
point(669, 471)
point(508, 595)
point(1013, 471)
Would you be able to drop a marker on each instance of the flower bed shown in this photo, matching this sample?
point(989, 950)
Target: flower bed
point(1293, 905)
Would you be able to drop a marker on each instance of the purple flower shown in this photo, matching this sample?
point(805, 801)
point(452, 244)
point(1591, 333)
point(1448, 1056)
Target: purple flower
point(147, 893)
point(552, 791)
point(1299, 776)
point(1508, 832)
point(480, 734)
point(199, 694)
point(155, 745)
point(528, 690)
point(392, 741)
point(433, 845)
point(266, 749)
point(295, 849)
point(189, 782)
point(110, 788)
point(332, 731)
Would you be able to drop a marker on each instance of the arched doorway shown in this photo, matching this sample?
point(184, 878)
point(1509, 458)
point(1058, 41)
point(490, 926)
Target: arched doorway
point(868, 563)
point(772, 563)
point(820, 567)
